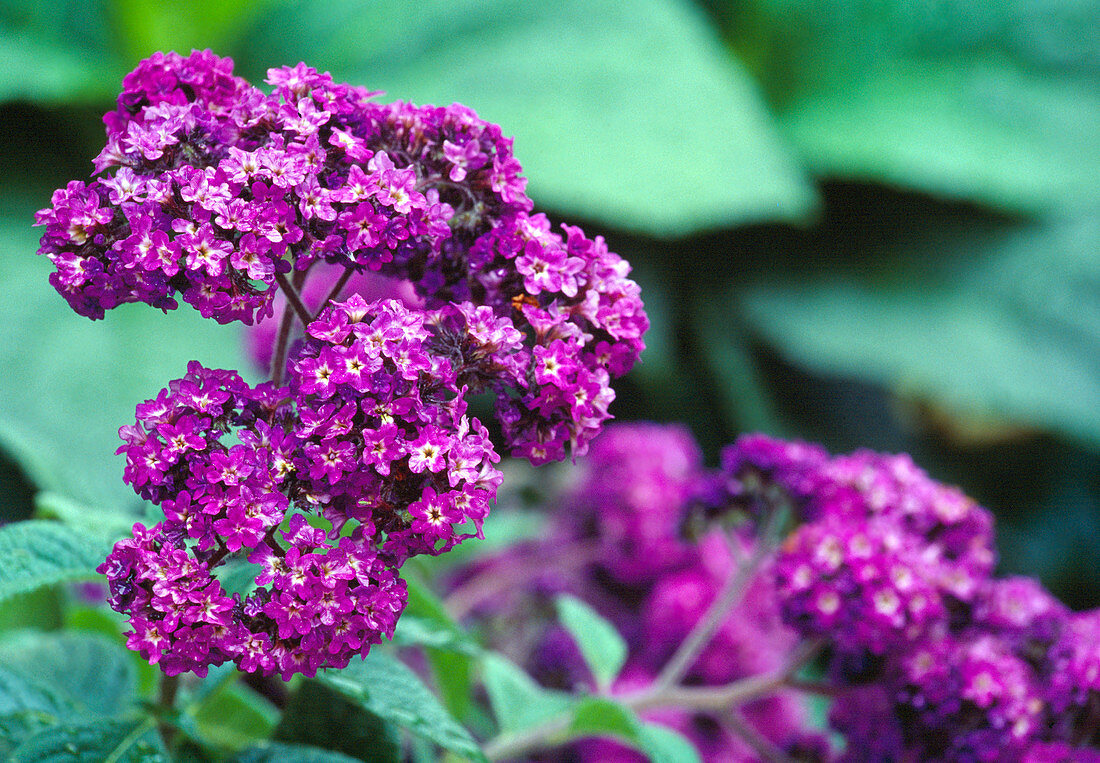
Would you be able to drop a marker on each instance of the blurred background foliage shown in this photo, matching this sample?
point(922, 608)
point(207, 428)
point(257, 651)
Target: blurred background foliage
point(871, 223)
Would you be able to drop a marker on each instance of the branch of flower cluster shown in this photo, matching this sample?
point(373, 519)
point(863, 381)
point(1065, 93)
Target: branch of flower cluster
point(286, 323)
point(760, 744)
point(731, 695)
point(278, 359)
point(294, 299)
point(341, 282)
point(731, 594)
point(494, 582)
point(725, 699)
point(169, 685)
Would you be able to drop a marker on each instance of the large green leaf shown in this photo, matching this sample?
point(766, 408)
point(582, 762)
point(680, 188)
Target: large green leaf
point(38, 553)
point(79, 50)
point(385, 686)
point(67, 383)
point(1002, 322)
point(102, 740)
point(90, 670)
point(628, 112)
point(604, 649)
point(291, 753)
point(997, 102)
point(22, 694)
point(235, 718)
point(147, 27)
point(518, 702)
point(57, 51)
point(321, 717)
point(598, 716)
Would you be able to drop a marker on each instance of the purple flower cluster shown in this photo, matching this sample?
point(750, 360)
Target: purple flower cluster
point(370, 439)
point(930, 657)
point(213, 191)
point(926, 655)
point(220, 190)
point(615, 541)
point(884, 550)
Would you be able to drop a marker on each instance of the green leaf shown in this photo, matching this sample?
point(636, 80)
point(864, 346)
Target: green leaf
point(291, 753)
point(421, 631)
point(57, 51)
point(518, 702)
point(321, 717)
point(67, 383)
point(1001, 322)
point(38, 553)
point(598, 716)
point(453, 680)
point(656, 130)
point(101, 522)
point(98, 741)
point(743, 393)
point(147, 27)
point(603, 648)
point(996, 102)
point(42, 608)
point(91, 671)
point(386, 687)
point(235, 717)
point(664, 745)
point(18, 727)
point(21, 694)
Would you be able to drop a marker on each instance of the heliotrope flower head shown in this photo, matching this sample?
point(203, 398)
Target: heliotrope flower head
point(212, 190)
point(370, 439)
point(631, 495)
point(1073, 667)
point(967, 699)
point(867, 585)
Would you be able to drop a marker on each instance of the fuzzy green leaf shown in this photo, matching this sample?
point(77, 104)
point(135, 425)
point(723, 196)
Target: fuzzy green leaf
point(1001, 322)
point(102, 740)
point(38, 553)
point(91, 671)
point(657, 130)
point(518, 702)
point(603, 648)
point(385, 686)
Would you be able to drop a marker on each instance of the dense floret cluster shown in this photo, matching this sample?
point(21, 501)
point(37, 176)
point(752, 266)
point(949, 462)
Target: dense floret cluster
point(219, 191)
point(930, 657)
point(925, 655)
point(359, 453)
point(614, 539)
point(370, 437)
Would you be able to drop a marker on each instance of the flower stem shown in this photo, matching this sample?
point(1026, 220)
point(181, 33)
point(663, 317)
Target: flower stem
point(294, 299)
point(730, 596)
point(710, 699)
point(294, 307)
point(715, 700)
point(760, 744)
point(169, 685)
point(340, 284)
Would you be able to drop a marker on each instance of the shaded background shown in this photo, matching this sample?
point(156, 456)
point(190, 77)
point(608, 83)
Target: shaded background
point(871, 224)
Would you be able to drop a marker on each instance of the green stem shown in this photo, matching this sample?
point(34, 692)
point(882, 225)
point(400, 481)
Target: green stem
point(169, 685)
